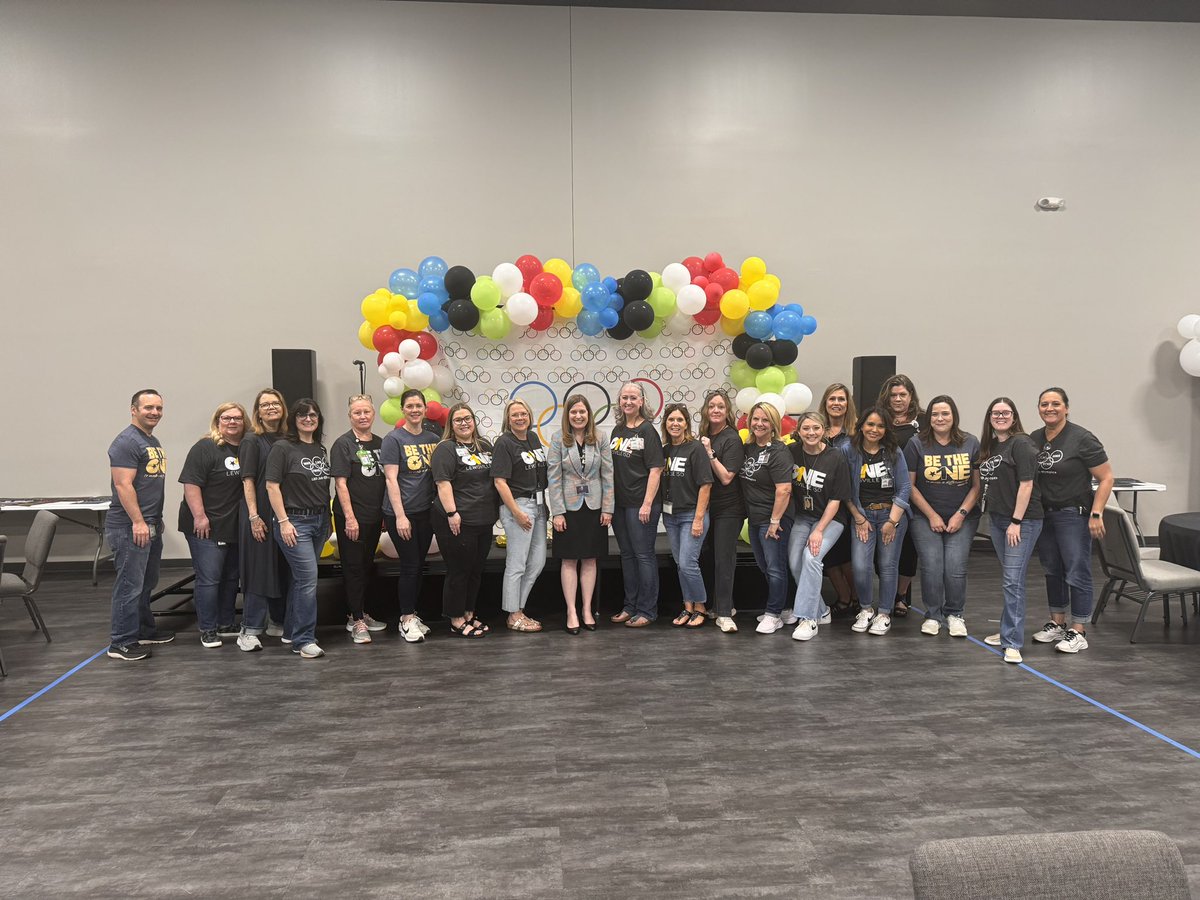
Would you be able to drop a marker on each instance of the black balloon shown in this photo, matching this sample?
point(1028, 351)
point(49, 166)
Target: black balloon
point(784, 352)
point(620, 332)
point(620, 288)
point(742, 343)
point(758, 356)
point(638, 315)
point(637, 285)
point(463, 314)
point(459, 281)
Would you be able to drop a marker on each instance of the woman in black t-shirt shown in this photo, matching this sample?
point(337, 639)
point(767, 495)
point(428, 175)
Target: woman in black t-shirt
point(519, 473)
point(208, 518)
point(358, 513)
point(766, 479)
point(465, 509)
point(726, 509)
point(898, 396)
point(837, 403)
point(686, 484)
point(298, 486)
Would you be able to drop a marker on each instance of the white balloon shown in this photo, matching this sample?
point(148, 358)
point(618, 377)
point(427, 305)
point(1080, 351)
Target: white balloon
point(409, 349)
point(386, 547)
point(775, 400)
point(1189, 357)
point(393, 362)
point(521, 308)
point(385, 372)
point(1196, 330)
point(676, 276)
point(418, 374)
point(797, 398)
point(1187, 326)
point(509, 279)
point(746, 398)
point(690, 299)
point(393, 386)
point(443, 380)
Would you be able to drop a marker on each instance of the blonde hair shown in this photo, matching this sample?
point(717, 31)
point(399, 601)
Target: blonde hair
point(589, 430)
point(687, 422)
point(354, 398)
point(705, 424)
point(815, 416)
point(641, 410)
point(505, 427)
point(214, 427)
point(772, 414)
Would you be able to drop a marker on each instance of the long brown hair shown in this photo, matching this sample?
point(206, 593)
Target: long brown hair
point(851, 415)
point(987, 437)
point(956, 434)
point(589, 430)
point(687, 422)
point(705, 424)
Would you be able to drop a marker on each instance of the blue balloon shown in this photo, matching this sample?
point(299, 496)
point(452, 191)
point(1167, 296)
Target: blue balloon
point(611, 284)
point(808, 324)
point(758, 325)
point(609, 317)
point(434, 285)
point(594, 296)
point(439, 321)
point(787, 326)
point(584, 274)
point(404, 281)
point(430, 303)
point(588, 321)
point(616, 301)
point(796, 308)
point(432, 266)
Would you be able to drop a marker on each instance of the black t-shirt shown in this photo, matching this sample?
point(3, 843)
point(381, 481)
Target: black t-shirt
point(1064, 464)
point(1011, 462)
point(635, 451)
point(877, 479)
point(905, 433)
point(358, 462)
point(725, 501)
point(942, 473)
point(521, 463)
point(762, 469)
point(470, 476)
point(218, 474)
point(302, 472)
point(819, 478)
point(686, 468)
point(412, 454)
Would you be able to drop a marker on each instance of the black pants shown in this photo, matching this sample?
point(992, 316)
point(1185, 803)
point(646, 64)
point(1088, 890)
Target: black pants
point(908, 555)
point(358, 561)
point(718, 559)
point(410, 556)
point(464, 554)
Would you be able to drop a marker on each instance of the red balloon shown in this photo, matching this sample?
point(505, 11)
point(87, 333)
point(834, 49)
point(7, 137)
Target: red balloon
point(712, 262)
point(694, 265)
point(741, 422)
point(429, 344)
point(713, 294)
point(386, 339)
point(788, 425)
point(545, 318)
point(530, 266)
point(700, 281)
point(707, 316)
point(434, 412)
point(726, 278)
point(545, 288)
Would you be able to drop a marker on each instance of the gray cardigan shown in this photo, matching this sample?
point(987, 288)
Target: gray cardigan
point(565, 476)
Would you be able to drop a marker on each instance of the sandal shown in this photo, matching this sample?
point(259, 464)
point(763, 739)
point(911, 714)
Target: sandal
point(698, 618)
point(683, 618)
point(620, 617)
point(524, 624)
point(479, 625)
point(900, 610)
point(466, 630)
point(637, 622)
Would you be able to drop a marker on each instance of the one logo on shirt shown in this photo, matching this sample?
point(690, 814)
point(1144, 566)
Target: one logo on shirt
point(156, 462)
point(627, 446)
point(473, 460)
point(418, 456)
point(677, 465)
point(954, 467)
point(232, 466)
point(317, 466)
point(368, 461)
point(811, 478)
point(531, 458)
point(877, 471)
point(1047, 459)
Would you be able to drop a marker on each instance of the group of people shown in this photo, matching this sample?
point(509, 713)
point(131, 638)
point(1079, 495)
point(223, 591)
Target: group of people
point(858, 497)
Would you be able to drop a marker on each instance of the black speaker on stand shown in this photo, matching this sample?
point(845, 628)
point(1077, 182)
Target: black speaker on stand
point(294, 372)
point(870, 372)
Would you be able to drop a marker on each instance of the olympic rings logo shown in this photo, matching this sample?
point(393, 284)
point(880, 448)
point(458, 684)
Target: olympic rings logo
point(588, 354)
point(599, 410)
point(566, 376)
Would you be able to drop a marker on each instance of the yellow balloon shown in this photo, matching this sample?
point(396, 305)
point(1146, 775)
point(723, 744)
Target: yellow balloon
point(753, 269)
point(375, 308)
point(763, 295)
point(328, 550)
point(398, 320)
point(365, 332)
point(417, 320)
point(744, 434)
point(773, 279)
point(734, 305)
point(569, 304)
point(559, 267)
point(397, 311)
point(733, 327)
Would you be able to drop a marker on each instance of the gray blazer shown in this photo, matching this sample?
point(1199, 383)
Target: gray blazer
point(566, 475)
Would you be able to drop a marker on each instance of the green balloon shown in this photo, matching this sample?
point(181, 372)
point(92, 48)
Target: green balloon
point(656, 279)
point(742, 375)
point(431, 395)
point(745, 533)
point(485, 293)
point(662, 301)
point(391, 410)
point(770, 380)
point(789, 374)
point(654, 330)
point(494, 324)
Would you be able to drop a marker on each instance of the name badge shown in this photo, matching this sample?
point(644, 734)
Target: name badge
point(539, 498)
point(667, 507)
point(808, 503)
point(581, 489)
point(885, 481)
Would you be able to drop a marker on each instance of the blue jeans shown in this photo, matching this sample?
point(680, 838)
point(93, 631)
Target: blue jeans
point(685, 550)
point(1013, 563)
point(943, 559)
point(639, 566)
point(137, 574)
point(1065, 550)
point(809, 570)
point(215, 595)
point(862, 560)
point(771, 555)
point(524, 555)
point(312, 532)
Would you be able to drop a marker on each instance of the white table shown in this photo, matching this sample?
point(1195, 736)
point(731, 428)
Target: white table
point(63, 507)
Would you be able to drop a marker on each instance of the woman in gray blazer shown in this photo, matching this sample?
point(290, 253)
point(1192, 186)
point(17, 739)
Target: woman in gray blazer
point(580, 470)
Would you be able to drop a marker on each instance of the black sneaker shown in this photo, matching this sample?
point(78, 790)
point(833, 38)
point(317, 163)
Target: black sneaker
point(129, 652)
point(158, 636)
point(228, 632)
point(210, 639)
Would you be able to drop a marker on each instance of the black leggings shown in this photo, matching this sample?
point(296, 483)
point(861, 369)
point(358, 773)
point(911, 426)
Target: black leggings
point(410, 555)
point(718, 559)
point(464, 554)
point(358, 561)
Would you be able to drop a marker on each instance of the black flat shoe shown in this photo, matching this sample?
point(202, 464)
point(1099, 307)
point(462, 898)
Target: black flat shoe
point(569, 630)
point(590, 626)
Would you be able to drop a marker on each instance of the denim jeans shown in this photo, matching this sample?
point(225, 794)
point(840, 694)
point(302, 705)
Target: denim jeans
point(943, 567)
point(718, 561)
point(685, 550)
point(525, 553)
point(1065, 550)
point(410, 557)
point(137, 574)
point(771, 555)
point(312, 532)
point(809, 570)
point(863, 558)
point(216, 568)
point(639, 565)
point(1013, 563)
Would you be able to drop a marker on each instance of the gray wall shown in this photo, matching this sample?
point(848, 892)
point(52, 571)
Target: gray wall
point(186, 186)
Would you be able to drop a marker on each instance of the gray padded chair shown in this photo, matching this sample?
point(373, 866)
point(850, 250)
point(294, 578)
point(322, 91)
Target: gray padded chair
point(3, 547)
point(1083, 865)
point(1140, 580)
point(25, 585)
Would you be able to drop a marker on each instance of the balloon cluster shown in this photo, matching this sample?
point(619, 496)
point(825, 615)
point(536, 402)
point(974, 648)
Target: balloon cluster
point(1189, 356)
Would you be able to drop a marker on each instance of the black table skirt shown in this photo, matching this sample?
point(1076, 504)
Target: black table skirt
point(1179, 538)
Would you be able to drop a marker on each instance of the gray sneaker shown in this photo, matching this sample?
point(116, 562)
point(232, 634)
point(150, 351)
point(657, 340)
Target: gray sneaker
point(1050, 633)
point(248, 642)
point(411, 631)
point(274, 629)
point(309, 651)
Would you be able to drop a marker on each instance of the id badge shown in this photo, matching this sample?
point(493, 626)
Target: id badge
point(667, 507)
point(153, 531)
point(581, 490)
point(539, 498)
point(885, 481)
point(808, 503)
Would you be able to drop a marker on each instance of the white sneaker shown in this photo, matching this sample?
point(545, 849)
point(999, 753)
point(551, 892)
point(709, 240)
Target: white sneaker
point(787, 617)
point(285, 641)
point(1012, 655)
point(826, 619)
point(881, 624)
point(411, 631)
point(248, 642)
point(931, 626)
point(863, 620)
point(769, 624)
point(957, 626)
point(1050, 632)
point(1073, 642)
point(992, 640)
point(359, 633)
point(274, 629)
point(420, 624)
point(805, 631)
point(309, 651)
point(726, 624)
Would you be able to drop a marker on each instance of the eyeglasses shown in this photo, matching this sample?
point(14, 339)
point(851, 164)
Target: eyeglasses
point(270, 404)
point(308, 415)
point(996, 414)
point(231, 419)
point(461, 421)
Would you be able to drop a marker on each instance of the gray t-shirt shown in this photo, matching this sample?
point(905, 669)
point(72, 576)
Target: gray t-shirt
point(1064, 464)
point(413, 454)
point(942, 473)
point(1011, 463)
point(134, 449)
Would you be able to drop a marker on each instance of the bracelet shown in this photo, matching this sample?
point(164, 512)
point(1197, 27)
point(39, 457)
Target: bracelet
point(284, 521)
point(890, 522)
point(859, 523)
point(1015, 521)
point(452, 514)
point(776, 521)
point(255, 517)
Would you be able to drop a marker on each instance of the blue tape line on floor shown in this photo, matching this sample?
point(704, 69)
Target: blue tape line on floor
point(57, 681)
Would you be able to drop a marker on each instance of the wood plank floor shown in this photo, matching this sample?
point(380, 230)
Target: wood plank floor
point(654, 763)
